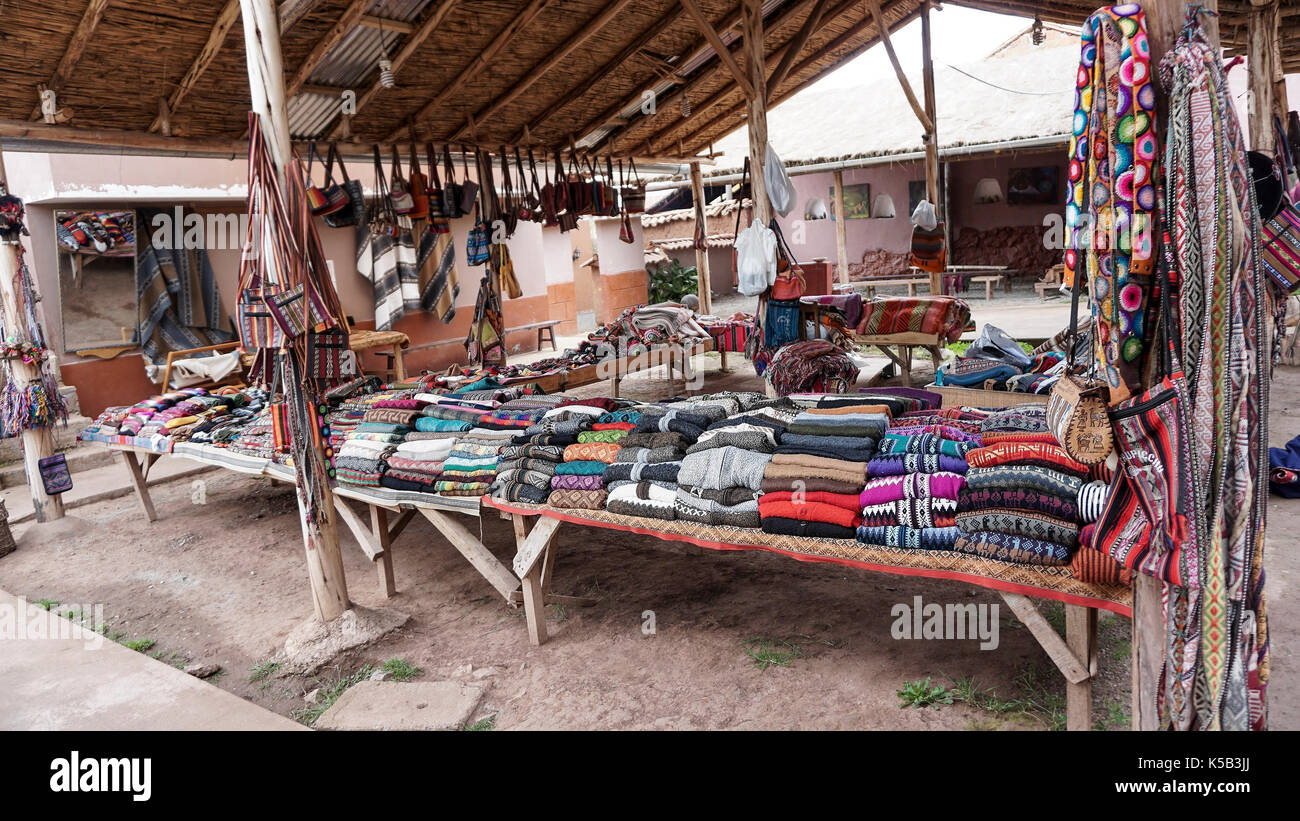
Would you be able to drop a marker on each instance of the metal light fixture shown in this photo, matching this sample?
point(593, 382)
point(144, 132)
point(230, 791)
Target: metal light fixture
point(386, 78)
point(1037, 36)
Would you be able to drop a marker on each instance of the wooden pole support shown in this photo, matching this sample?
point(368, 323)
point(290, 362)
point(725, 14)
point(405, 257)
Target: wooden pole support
point(702, 276)
point(841, 229)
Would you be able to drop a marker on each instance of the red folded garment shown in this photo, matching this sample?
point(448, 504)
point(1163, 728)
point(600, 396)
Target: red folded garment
point(613, 426)
point(993, 438)
point(1009, 453)
point(809, 512)
point(595, 402)
point(848, 501)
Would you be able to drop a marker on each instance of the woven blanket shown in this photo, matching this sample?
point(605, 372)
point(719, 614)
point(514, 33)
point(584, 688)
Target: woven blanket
point(1007, 548)
point(583, 468)
point(548, 453)
point(896, 464)
point(644, 499)
point(1030, 477)
point(588, 499)
point(915, 513)
point(1040, 453)
point(643, 472)
point(606, 452)
point(577, 482)
point(927, 443)
point(1017, 498)
point(943, 316)
point(912, 486)
point(1020, 523)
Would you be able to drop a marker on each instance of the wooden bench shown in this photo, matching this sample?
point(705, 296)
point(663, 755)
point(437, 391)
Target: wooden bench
point(989, 282)
point(870, 285)
point(547, 328)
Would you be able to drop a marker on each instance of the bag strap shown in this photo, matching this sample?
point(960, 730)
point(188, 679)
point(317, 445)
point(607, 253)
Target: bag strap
point(636, 175)
point(448, 165)
point(783, 247)
point(1072, 334)
point(335, 156)
point(430, 157)
point(383, 199)
point(396, 168)
point(740, 203)
point(413, 161)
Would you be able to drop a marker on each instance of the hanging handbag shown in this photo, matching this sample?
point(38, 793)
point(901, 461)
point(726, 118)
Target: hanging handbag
point(1150, 523)
point(633, 195)
point(452, 194)
point(326, 199)
point(929, 248)
point(790, 283)
point(418, 186)
point(625, 233)
point(325, 353)
point(354, 213)
point(399, 192)
point(505, 268)
point(381, 217)
point(1280, 248)
point(476, 246)
point(438, 221)
point(527, 206)
point(509, 209)
point(1076, 408)
point(469, 188)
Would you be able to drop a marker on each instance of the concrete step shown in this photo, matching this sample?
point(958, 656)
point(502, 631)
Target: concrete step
point(65, 437)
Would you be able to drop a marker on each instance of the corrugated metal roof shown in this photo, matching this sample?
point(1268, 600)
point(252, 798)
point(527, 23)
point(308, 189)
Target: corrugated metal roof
point(352, 63)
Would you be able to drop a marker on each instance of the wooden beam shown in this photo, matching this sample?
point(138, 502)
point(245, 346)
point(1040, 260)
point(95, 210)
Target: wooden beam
point(488, 566)
point(216, 39)
point(810, 24)
point(530, 550)
point(883, 27)
point(74, 49)
point(408, 50)
point(1081, 638)
point(292, 12)
point(1261, 36)
point(756, 109)
point(841, 228)
point(702, 277)
point(1071, 666)
point(649, 86)
point(583, 88)
point(484, 58)
point(341, 28)
point(548, 63)
point(722, 94)
point(724, 54)
point(807, 63)
point(370, 21)
point(931, 136)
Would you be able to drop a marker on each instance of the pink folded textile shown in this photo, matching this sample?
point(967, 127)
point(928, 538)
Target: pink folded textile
point(400, 404)
point(887, 489)
point(570, 481)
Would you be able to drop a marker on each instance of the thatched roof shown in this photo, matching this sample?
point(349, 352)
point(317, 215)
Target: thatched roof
point(1034, 97)
point(553, 70)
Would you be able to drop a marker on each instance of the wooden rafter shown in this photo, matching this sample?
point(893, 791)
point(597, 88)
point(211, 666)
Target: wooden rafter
point(721, 94)
point(342, 27)
point(707, 73)
point(733, 19)
point(809, 62)
point(372, 21)
point(719, 47)
point(548, 64)
point(216, 39)
point(882, 26)
point(502, 39)
point(810, 24)
point(292, 12)
point(406, 52)
point(75, 48)
point(584, 88)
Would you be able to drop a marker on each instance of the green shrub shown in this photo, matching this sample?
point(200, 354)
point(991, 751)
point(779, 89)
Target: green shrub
point(670, 281)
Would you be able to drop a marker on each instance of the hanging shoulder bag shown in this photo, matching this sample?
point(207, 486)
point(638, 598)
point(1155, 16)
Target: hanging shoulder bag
point(633, 195)
point(790, 283)
point(326, 199)
point(418, 186)
point(468, 188)
point(437, 203)
point(354, 213)
point(452, 195)
point(1076, 408)
point(476, 245)
point(399, 192)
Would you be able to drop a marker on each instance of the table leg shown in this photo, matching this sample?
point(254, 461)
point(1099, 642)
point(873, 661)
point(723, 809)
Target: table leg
point(1081, 638)
point(399, 364)
point(988, 290)
point(139, 484)
point(379, 526)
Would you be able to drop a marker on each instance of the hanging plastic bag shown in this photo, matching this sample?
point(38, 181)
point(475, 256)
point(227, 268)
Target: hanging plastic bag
point(756, 259)
point(780, 190)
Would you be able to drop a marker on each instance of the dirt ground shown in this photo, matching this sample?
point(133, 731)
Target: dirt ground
point(223, 582)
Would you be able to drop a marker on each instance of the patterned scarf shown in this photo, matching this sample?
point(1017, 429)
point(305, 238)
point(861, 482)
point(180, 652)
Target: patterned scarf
point(1216, 660)
point(1112, 193)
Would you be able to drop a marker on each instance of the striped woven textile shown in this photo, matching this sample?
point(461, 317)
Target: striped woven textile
point(945, 317)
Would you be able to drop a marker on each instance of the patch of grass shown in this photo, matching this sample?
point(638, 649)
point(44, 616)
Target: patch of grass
point(769, 652)
point(329, 694)
point(1116, 717)
point(559, 612)
point(482, 725)
point(920, 694)
point(45, 604)
point(263, 669)
point(71, 614)
point(401, 670)
point(1033, 700)
point(1054, 612)
point(139, 645)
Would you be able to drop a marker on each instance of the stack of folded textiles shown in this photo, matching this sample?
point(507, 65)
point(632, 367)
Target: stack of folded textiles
point(562, 424)
point(651, 459)
point(579, 481)
point(811, 485)
point(521, 413)
point(417, 464)
point(525, 471)
point(1020, 502)
point(471, 465)
point(915, 511)
point(257, 438)
point(720, 486)
point(1092, 562)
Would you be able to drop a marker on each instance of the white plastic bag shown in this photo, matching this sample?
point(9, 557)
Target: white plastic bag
point(756, 259)
point(924, 216)
point(780, 190)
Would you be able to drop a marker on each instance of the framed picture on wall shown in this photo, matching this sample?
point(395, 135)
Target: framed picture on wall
point(857, 201)
point(1033, 185)
point(915, 193)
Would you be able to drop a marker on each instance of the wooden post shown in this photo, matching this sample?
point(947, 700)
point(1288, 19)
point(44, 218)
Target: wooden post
point(38, 443)
point(841, 229)
point(1261, 38)
point(756, 111)
point(266, 82)
point(932, 191)
point(701, 254)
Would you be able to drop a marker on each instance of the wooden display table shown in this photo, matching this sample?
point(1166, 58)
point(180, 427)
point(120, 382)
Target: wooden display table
point(361, 341)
